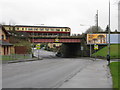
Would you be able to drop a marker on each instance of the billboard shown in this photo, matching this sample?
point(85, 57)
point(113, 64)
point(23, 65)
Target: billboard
point(96, 39)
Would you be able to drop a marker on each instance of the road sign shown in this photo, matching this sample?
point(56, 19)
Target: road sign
point(82, 48)
point(38, 46)
point(56, 40)
point(95, 47)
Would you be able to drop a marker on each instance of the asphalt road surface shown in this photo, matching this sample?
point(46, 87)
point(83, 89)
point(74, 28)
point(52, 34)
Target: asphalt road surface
point(46, 73)
point(44, 54)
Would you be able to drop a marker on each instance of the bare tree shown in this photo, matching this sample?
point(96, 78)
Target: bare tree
point(94, 29)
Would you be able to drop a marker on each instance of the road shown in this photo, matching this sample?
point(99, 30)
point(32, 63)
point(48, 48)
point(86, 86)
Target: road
point(44, 54)
point(46, 73)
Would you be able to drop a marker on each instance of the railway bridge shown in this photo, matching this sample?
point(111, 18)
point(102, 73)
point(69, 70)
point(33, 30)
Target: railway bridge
point(71, 45)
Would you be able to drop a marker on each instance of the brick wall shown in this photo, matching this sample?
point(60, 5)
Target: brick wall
point(20, 50)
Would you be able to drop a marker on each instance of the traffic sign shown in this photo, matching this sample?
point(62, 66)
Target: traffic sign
point(38, 46)
point(95, 47)
point(56, 40)
point(82, 48)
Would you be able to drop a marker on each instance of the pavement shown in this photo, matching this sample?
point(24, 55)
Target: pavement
point(95, 75)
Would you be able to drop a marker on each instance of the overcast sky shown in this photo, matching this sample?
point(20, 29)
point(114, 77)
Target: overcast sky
point(70, 13)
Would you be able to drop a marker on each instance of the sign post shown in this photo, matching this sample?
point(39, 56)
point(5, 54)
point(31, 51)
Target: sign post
point(38, 49)
point(82, 48)
point(95, 48)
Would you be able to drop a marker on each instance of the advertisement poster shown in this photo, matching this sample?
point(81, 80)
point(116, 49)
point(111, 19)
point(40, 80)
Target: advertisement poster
point(96, 38)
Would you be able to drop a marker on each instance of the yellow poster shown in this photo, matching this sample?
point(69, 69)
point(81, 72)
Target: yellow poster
point(56, 40)
point(38, 46)
point(96, 38)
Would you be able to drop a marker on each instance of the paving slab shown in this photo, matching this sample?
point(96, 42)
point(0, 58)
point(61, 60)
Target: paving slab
point(95, 75)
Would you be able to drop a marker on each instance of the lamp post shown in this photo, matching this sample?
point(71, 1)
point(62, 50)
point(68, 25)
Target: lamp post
point(108, 55)
point(90, 47)
point(90, 36)
point(33, 44)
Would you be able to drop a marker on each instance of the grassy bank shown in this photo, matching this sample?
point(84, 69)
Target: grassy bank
point(113, 52)
point(115, 67)
point(16, 56)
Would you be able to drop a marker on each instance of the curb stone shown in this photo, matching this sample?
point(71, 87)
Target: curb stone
point(24, 60)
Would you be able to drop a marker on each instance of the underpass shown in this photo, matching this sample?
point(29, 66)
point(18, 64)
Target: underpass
point(71, 46)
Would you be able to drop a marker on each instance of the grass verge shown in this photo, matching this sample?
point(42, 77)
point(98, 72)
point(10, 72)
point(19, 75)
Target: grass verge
point(15, 57)
point(114, 68)
point(114, 52)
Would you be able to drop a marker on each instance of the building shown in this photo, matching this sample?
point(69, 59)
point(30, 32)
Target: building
point(119, 16)
point(6, 48)
point(40, 30)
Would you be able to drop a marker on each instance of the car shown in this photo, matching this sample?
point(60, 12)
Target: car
point(59, 54)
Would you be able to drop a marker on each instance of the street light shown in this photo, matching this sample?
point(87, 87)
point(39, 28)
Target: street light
point(90, 35)
point(33, 44)
point(108, 55)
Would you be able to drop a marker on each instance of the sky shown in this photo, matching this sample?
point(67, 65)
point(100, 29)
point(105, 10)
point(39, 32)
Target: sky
point(79, 15)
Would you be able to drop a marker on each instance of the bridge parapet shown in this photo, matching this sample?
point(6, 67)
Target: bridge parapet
point(39, 37)
point(56, 41)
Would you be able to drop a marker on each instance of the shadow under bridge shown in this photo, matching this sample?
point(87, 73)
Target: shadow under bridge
point(70, 50)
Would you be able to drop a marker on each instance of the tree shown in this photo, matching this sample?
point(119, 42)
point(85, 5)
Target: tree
point(93, 29)
point(107, 28)
point(115, 30)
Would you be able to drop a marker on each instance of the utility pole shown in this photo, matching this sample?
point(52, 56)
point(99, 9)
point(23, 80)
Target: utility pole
point(109, 30)
point(97, 20)
point(90, 44)
point(108, 55)
point(119, 16)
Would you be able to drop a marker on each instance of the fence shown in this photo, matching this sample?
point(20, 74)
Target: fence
point(16, 56)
